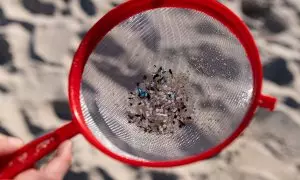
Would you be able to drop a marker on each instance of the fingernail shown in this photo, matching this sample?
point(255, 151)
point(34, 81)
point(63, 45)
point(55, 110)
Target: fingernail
point(15, 142)
point(65, 148)
point(67, 144)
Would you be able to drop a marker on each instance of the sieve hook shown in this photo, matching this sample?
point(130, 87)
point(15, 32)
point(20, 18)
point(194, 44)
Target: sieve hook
point(267, 102)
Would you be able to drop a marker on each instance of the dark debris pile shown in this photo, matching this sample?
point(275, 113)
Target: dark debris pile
point(160, 103)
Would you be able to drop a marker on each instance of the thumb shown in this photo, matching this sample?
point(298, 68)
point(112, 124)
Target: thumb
point(59, 165)
point(9, 145)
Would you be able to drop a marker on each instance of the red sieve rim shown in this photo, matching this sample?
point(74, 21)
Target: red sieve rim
point(130, 8)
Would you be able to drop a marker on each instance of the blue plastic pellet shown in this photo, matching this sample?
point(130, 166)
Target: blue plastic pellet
point(142, 93)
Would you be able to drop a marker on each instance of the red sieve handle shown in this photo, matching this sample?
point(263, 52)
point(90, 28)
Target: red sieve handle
point(267, 102)
point(29, 154)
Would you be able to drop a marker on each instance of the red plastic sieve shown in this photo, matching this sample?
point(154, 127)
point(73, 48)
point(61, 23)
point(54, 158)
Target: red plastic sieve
point(203, 39)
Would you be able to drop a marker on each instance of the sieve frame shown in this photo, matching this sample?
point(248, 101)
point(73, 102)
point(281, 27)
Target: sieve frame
point(122, 12)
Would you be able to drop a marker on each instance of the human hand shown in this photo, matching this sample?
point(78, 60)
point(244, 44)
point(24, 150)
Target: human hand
point(54, 170)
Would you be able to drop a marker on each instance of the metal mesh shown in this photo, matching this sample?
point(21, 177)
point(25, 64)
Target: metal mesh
point(186, 41)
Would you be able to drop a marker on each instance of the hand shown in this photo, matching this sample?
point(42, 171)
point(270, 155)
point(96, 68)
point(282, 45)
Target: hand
point(54, 170)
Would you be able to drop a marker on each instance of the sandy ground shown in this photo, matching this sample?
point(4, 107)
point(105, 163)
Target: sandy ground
point(38, 39)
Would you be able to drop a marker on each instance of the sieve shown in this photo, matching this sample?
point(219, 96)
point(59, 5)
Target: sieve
point(202, 39)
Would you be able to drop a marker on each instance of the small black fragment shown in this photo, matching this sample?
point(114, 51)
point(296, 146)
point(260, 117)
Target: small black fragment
point(137, 115)
point(159, 70)
point(139, 103)
point(137, 84)
point(155, 76)
point(160, 79)
point(180, 121)
point(170, 71)
point(155, 66)
point(189, 117)
point(130, 104)
point(175, 116)
point(181, 124)
point(173, 122)
point(148, 96)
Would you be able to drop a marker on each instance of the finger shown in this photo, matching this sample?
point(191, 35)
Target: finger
point(31, 174)
point(59, 165)
point(9, 144)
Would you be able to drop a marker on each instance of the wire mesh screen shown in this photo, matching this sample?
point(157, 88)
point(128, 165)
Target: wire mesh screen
point(186, 41)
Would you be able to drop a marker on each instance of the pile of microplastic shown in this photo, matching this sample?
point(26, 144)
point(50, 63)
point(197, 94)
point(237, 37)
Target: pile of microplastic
point(160, 103)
